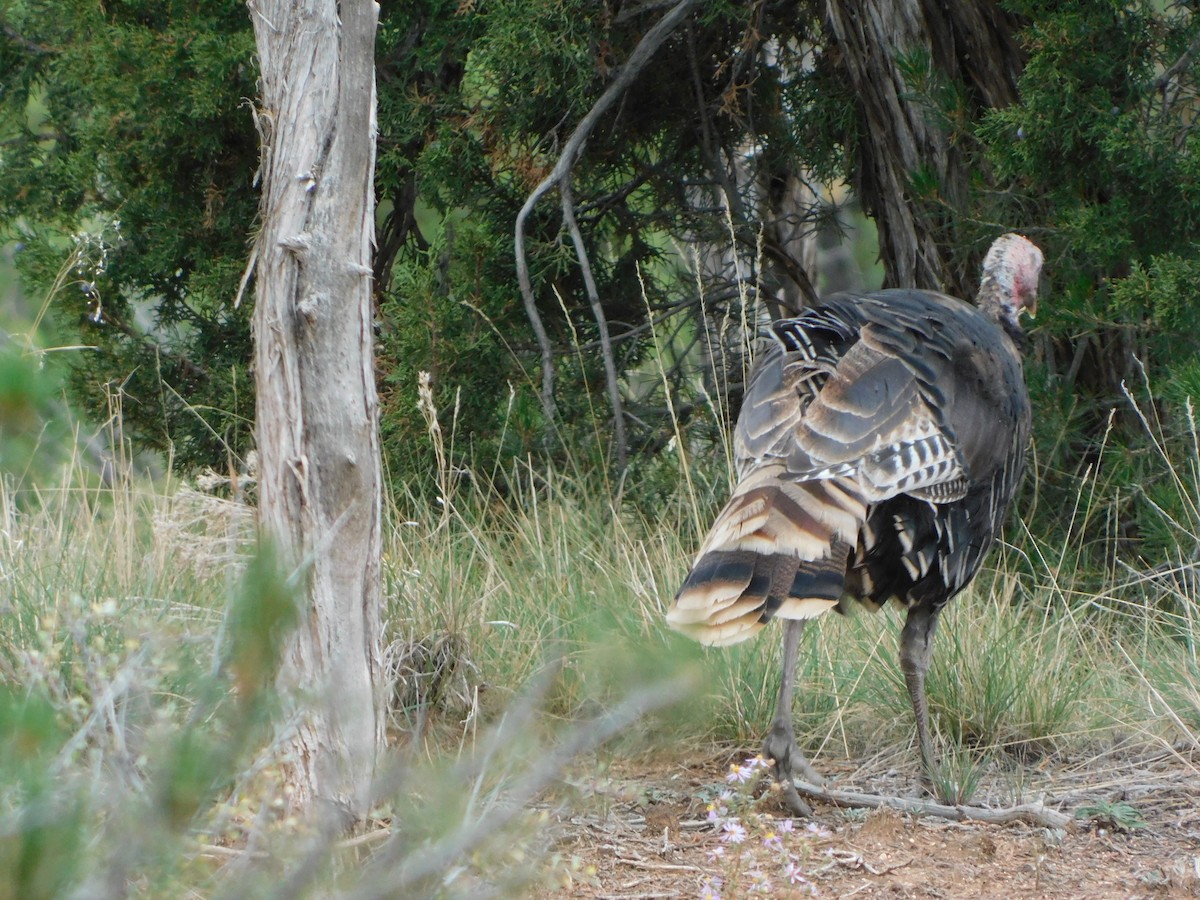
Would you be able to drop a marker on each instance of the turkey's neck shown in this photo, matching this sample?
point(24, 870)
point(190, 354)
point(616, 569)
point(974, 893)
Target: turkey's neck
point(995, 300)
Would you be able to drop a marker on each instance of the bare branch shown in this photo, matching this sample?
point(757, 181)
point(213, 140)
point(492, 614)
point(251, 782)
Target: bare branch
point(633, 331)
point(38, 138)
point(188, 368)
point(610, 364)
point(1185, 60)
point(637, 61)
point(1033, 813)
point(30, 45)
point(415, 868)
point(633, 11)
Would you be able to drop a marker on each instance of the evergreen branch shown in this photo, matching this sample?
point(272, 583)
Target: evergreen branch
point(28, 44)
point(185, 366)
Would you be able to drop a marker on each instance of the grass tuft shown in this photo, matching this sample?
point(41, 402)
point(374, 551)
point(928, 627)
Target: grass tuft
point(524, 617)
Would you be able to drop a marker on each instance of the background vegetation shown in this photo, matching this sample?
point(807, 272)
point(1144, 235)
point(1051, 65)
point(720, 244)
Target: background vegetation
point(128, 134)
point(131, 718)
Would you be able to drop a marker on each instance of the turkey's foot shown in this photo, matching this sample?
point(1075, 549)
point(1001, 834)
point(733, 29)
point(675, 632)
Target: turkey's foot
point(780, 749)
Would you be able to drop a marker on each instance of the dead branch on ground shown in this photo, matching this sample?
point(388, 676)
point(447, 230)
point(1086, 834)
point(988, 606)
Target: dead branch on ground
point(1031, 813)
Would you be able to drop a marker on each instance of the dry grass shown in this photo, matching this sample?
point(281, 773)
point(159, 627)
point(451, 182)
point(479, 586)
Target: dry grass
point(115, 593)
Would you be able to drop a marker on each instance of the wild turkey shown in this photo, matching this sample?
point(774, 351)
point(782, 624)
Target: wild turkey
point(880, 442)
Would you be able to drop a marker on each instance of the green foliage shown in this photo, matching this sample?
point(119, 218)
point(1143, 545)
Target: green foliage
point(40, 857)
point(129, 718)
point(126, 127)
point(142, 629)
point(956, 775)
point(481, 394)
point(27, 412)
point(116, 734)
point(493, 93)
point(1100, 158)
point(1161, 295)
point(129, 152)
point(1112, 815)
point(259, 621)
point(990, 688)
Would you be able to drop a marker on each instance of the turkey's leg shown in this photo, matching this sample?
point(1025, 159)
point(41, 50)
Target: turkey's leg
point(780, 744)
point(916, 649)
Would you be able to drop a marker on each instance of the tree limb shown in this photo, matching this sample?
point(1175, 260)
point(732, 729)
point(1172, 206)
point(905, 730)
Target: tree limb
point(632, 331)
point(610, 364)
point(407, 870)
point(633, 67)
point(1032, 813)
point(1185, 60)
point(186, 366)
point(30, 45)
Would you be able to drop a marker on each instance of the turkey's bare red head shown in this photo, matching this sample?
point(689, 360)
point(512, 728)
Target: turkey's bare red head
point(1011, 271)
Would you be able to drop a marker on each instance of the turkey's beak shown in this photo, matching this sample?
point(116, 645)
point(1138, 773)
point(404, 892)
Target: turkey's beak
point(1029, 303)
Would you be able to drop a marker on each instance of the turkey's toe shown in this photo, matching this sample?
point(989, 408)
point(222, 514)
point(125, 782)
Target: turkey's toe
point(780, 748)
point(792, 801)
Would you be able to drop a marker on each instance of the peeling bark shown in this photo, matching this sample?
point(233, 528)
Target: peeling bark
point(317, 424)
point(973, 43)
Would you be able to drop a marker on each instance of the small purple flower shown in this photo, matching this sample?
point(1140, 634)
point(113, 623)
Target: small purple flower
point(773, 841)
point(743, 773)
point(793, 873)
point(711, 889)
point(733, 832)
point(738, 774)
point(717, 813)
point(786, 826)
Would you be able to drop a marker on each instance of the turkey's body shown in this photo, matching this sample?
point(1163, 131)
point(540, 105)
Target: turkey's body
point(881, 440)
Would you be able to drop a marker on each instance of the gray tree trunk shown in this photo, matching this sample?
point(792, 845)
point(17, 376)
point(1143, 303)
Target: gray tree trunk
point(317, 425)
point(972, 42)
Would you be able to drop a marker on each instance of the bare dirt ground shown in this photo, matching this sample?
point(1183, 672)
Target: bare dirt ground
point(644, 830)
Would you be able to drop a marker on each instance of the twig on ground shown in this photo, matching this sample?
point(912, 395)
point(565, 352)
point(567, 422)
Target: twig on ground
point(1032, 813)
point(852, 860)
point(660, 867)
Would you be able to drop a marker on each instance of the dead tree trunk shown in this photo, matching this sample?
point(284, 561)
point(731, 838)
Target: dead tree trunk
point(317, 426)
point(971, 42)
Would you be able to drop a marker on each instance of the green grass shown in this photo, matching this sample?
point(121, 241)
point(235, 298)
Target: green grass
point(123, 729)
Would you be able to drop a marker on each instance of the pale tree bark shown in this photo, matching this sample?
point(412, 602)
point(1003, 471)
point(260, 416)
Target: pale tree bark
point(317, 426)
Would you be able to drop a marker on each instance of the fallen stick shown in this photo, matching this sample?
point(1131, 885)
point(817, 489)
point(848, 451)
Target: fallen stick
point(1031, 813)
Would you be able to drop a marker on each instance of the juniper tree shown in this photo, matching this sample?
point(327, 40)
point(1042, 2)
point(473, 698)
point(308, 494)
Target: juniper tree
point(1071, 123)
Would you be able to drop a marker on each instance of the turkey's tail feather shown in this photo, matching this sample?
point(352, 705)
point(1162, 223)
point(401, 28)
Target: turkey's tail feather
point(778, 550)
